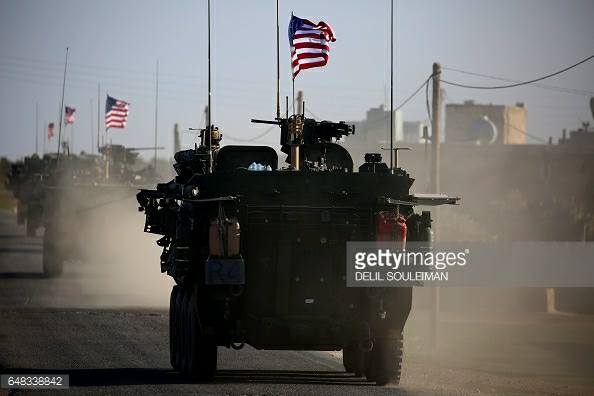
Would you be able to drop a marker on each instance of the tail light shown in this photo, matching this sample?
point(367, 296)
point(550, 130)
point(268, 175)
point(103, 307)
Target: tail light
point(391, 226)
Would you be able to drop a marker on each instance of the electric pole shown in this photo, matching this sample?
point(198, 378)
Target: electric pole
point(435, 185)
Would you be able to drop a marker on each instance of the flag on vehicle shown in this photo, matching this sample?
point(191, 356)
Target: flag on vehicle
point(310, 44)
point(69, 115)
point(116, 113)
point(50, 131)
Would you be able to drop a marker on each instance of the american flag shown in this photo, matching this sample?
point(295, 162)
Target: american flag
point(309, 44)
point(69, 115)
point(50, 131)
point(116, 113)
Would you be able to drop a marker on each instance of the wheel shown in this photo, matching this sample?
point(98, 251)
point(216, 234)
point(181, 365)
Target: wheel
point(178, 333)
point(383, 364)
point(183, 330)
point(52, 261)
point(173, 333)
point(353, 359)
point(201, 348)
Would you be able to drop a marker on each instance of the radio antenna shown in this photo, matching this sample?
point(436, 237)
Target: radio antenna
point(209, 120)
point(391, 85)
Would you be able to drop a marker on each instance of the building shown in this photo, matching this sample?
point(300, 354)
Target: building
point(374, 131)
point(482, 124)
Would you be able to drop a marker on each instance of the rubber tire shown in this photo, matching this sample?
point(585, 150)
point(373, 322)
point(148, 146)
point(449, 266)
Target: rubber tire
point(177, 363)
point(201, 348)
point(384, 363)
point(353, 359)
point(173, 330)
point(183, 327)
point(52, 262)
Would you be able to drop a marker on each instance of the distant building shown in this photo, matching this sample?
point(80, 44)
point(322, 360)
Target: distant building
point(583, 136)
point(485, 123)
point(374, 131)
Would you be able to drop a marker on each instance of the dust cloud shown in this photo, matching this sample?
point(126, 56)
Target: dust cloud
point(117, 264)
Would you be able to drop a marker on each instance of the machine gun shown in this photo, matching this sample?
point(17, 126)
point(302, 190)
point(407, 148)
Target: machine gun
point(297, 130)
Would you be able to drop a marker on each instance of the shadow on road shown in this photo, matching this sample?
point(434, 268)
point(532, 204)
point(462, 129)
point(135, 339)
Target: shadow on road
point(158, 376)
point(22, 275)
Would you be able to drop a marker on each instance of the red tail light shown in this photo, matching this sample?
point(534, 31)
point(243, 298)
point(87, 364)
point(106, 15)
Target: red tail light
point(391, 227)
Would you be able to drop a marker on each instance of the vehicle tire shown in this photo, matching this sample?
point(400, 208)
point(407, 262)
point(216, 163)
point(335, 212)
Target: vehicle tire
point(383, 364)
point(183, 329)
point(178, 329)
point(353, 359)
point(52, 261)
point(173, 331)
point(201, 348)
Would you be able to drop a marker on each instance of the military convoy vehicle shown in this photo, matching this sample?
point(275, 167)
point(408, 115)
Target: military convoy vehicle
point(258, 252)
point(26, 180)
point(61, 193)
point(80, 188)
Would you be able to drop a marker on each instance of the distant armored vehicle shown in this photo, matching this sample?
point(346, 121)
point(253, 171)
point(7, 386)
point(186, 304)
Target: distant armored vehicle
point(258, 253)
point(26, 181)
point(61, 193)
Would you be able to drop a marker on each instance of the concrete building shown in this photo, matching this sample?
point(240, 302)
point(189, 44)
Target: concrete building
point(485, 124)
point(374, 131)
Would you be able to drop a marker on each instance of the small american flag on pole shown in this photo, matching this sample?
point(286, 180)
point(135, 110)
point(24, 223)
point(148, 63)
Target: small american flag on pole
point(310, 44)
point(69, 115)
point(116, 113)
point(50, 131)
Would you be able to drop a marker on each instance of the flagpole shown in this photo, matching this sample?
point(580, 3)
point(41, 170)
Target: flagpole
point(277, 66)
point(156, 114)
point(98, 114)
point(36, 127)
point(209, 129)
point(391, 85)
point(91, 124)
point(62, 104)
point(44, 137)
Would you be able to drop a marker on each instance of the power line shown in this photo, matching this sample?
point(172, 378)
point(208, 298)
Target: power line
point(519, 83)
point(409, 98)
point(543, 86)
point(250, 140)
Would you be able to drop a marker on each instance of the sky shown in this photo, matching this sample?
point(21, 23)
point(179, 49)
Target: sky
point(117, 44)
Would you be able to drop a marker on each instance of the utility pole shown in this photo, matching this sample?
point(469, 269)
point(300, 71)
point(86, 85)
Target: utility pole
point(435, 127)
point(435, 165)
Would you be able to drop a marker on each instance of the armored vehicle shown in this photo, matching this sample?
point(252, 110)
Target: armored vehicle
point(258, 253)
point(79, 195)
point(26, 181)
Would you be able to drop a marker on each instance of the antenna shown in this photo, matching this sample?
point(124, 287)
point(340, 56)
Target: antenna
point(62, 105)
point(391, 84)
point(209, 120)
point(277, 67)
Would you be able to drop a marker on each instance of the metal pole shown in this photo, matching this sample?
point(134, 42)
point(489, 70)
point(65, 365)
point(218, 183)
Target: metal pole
point(391, 85)
point(98, 113)
point(45, 123)
point(436, 143)
point(277, 66)
point(156, 115)
point(36, 127)
point(435, 126)
point(62, 105)
point(91, 124)
point(209, 119)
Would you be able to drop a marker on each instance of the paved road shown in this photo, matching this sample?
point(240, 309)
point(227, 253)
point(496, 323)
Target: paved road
point(110, 335)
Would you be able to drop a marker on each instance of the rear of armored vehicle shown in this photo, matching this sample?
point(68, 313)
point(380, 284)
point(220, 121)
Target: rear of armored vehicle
point(284, 285)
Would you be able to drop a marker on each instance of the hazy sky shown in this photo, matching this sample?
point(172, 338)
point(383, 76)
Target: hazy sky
point(117, 44)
